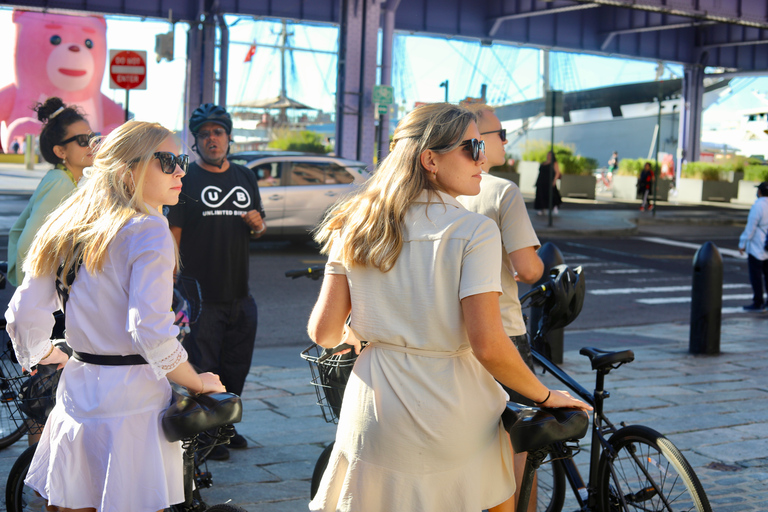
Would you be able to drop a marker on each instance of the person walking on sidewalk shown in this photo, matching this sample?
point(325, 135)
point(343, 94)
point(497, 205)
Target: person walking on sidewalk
point(644, 184)
point(502, 201)
point(753, 242)
point(546, 186)
point(220, 212)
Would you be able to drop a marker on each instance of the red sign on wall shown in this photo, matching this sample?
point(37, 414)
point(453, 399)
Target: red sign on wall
point(127, 69)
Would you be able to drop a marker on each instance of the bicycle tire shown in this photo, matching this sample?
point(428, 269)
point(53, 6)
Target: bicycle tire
point(9, 431)
point(225, 507)
point(646, 471)
point(19, 497)
point(550, 489)
point(320, 465)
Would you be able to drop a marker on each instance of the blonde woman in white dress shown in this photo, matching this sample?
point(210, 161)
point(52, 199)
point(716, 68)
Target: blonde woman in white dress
point(420, 424)
point(102, 448)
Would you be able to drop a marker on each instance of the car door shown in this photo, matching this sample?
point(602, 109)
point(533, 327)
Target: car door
point(313, 186)
point(269, 175)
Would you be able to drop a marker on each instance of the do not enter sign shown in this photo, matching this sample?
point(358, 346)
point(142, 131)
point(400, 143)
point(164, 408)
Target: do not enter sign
point(127, 69)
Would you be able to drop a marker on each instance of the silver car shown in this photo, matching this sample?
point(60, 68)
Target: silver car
point(298, 188)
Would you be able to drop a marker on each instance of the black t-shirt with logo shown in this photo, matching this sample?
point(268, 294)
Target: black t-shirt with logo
point(214, 238)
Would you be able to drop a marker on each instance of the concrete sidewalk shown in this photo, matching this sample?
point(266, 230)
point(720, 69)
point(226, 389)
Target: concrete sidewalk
point(714, 408)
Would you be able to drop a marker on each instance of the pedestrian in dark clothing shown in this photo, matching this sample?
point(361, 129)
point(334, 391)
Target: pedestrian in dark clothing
point(644, 184)
point(546, 184)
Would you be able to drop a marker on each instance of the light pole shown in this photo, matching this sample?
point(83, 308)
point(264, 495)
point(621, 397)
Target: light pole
point(445, 84)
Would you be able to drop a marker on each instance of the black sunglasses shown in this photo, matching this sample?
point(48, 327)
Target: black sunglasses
point(83, 139)
point(502, 133)
point(169, 161)
point(475, 147)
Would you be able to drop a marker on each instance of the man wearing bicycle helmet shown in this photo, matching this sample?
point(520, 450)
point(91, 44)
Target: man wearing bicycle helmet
point(218, 214)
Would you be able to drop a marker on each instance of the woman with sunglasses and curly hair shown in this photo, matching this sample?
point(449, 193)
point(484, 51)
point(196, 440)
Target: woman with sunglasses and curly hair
point(103, 447)
point(64, 142)
point(419, 277)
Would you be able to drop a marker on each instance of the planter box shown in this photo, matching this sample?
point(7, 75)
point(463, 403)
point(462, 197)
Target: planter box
point(695, 191)
point(528, 172)
point(625, 187)
point(746, 193)
point(574, 185)
point(511, 176)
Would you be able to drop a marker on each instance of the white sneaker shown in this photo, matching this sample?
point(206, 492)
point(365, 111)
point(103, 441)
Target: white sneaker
point(540, 212)
point(555, 211)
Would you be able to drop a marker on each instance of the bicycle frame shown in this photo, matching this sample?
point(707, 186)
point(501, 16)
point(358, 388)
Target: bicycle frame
point(600, 427)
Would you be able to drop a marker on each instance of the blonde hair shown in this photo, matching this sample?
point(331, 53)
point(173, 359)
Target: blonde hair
point(370, 223)
point(111, 195)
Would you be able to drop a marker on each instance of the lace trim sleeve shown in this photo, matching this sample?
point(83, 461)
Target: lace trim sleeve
point(166, 357)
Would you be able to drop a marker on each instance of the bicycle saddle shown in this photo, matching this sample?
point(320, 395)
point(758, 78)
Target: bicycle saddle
point(532, 429)
point(601, 359)
point(188, 416)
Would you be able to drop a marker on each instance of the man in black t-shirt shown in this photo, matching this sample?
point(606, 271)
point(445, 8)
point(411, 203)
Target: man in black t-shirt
point(220, 211)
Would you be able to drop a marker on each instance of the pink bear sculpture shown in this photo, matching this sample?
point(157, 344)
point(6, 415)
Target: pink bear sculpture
point(57, 55)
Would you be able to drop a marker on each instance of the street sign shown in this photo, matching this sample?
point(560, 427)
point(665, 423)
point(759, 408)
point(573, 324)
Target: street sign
point(382, 109)
point(383, 94)
point(128, 69)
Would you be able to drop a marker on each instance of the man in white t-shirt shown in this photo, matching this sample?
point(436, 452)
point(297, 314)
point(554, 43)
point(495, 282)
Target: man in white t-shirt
point(753, 242)
point(502, 201)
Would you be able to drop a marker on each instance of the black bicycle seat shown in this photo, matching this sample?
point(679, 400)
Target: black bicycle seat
point(601, 359)
point(188, 415)
point(532, 429)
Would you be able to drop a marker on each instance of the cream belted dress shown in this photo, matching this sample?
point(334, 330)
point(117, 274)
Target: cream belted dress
point(420, 425)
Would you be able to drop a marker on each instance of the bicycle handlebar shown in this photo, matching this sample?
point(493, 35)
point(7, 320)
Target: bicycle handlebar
point(315, 272)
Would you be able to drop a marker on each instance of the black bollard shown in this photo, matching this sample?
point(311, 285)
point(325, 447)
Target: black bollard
point(551, 257)
point(706, 300)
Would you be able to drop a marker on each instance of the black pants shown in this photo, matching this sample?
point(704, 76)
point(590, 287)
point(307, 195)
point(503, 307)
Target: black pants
point(523, 345)
point(222, 341)
point(758, 274)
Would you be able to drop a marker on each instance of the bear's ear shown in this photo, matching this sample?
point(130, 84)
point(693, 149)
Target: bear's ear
point(17, 13)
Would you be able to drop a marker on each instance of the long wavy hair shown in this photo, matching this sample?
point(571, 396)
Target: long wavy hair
point(112, 194)
point(370, 223)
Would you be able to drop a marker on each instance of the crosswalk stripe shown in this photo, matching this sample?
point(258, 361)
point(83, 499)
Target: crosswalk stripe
point(679, 300)
point(656, 240)
point(653, 289)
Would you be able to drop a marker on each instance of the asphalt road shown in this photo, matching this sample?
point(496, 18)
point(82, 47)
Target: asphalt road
point(634, 280)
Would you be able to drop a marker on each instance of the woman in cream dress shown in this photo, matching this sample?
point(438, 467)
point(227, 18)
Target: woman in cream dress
point(420, 425)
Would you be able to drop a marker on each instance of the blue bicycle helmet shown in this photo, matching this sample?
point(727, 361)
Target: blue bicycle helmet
point(210, 113)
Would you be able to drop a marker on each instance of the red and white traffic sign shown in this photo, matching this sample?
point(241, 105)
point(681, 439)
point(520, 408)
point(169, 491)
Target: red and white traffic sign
point(127, 69)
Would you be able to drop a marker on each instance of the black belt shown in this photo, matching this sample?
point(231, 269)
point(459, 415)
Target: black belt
point(104, 360)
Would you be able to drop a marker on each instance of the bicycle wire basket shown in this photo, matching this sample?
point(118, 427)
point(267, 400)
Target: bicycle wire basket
point(330, 378)
point(27, 400)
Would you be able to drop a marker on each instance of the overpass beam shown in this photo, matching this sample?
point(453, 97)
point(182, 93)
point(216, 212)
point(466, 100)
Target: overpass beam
point(358, 48)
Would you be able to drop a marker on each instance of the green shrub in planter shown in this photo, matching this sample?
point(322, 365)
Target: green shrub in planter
point(630, 167)
point(706, 171)
point(754, 172)
point(536, 151)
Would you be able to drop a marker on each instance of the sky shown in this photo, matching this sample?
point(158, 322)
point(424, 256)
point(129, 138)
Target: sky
point(421, 63)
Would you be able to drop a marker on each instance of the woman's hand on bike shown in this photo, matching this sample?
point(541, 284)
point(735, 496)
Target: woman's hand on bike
point(559, 398)
point(57, 357)
point(211, 383)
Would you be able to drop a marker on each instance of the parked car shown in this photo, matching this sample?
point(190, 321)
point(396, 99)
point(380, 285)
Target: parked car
point(298, 188)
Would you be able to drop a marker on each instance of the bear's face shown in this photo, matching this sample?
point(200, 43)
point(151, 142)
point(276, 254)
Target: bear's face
point(64, 52)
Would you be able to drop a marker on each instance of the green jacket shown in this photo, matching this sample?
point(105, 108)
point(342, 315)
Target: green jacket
point(56, 185)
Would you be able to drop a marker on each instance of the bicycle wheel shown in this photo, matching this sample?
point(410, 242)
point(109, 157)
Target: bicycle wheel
point(9, 431)
point(320, 465)
point(550, 486)
point(647, 473)
point(19, 497)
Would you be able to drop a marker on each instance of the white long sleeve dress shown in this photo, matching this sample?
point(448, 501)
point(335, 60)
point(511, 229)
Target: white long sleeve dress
point(103, 445)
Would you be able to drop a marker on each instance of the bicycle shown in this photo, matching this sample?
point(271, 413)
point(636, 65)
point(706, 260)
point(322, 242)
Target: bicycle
point(632, 467)
point(187, 418)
